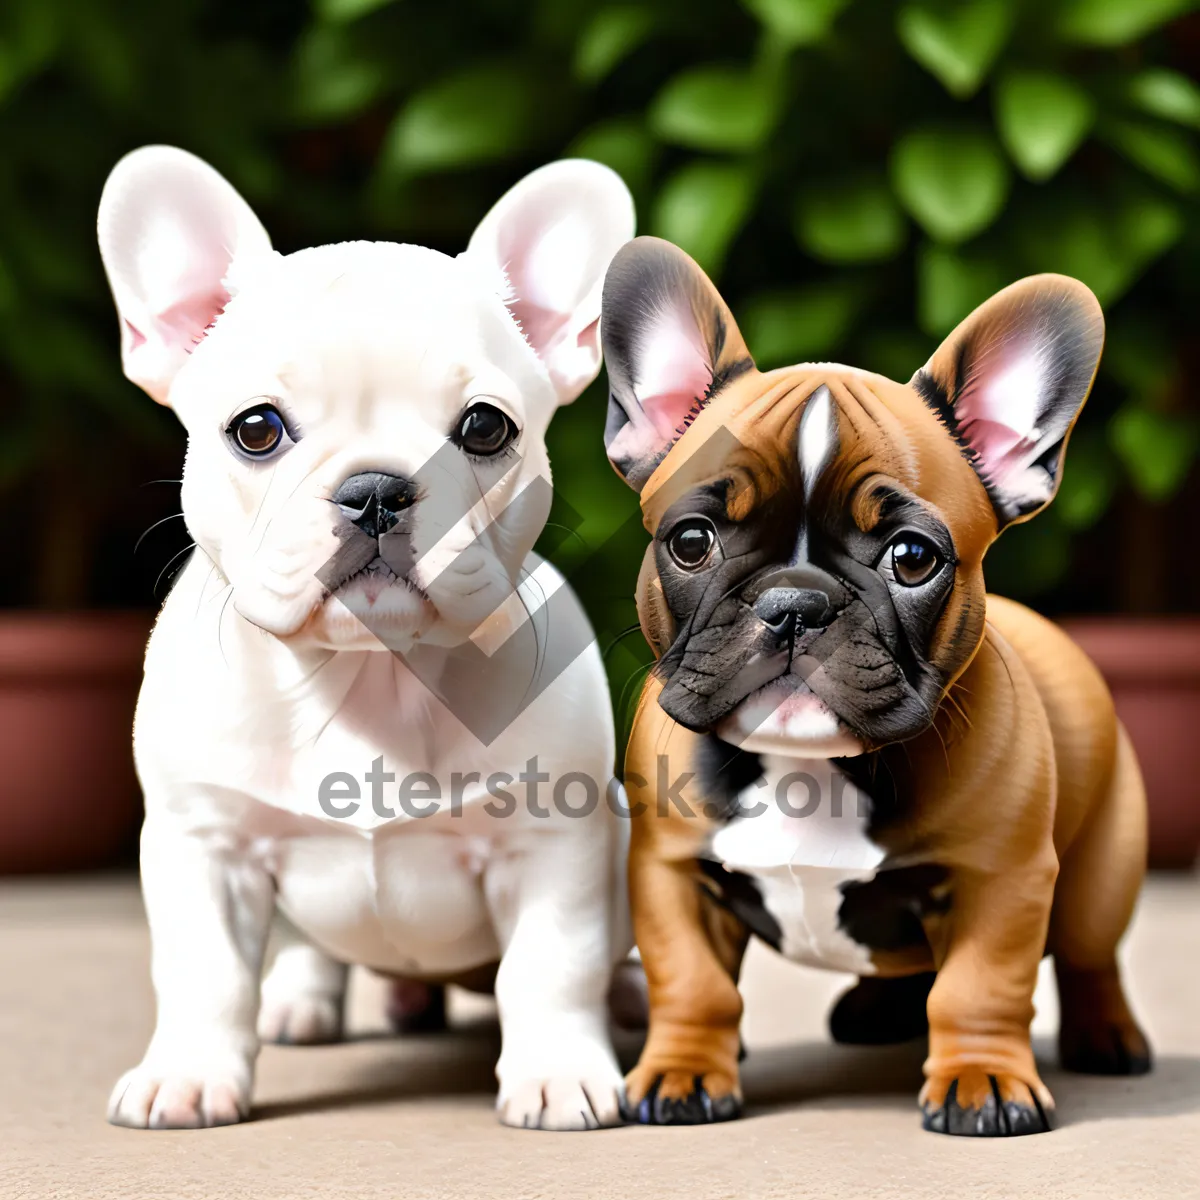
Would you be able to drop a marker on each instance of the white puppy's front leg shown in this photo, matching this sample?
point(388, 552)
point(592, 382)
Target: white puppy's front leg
point(552, 905)
point(303, 995)
point(209, 911)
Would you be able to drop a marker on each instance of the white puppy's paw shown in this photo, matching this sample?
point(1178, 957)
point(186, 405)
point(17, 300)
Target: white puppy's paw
point(145, 1098)
point(306, 1019)
point(589, 1098)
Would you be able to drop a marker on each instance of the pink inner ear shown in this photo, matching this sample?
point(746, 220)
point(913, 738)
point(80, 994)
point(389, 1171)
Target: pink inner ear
point(993, 443)
point(548, 273)
point(541, 326)
point(674, 371)
point(999, 406)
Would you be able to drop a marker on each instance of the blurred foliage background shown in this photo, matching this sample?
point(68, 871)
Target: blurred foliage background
point(855, 174)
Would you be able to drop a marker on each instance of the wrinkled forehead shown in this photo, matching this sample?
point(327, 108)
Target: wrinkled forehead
point(366, 318)
point(819, 431)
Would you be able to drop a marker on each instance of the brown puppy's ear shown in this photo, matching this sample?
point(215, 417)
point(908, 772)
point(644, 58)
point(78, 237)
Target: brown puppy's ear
point(670, 344)
point(1009, 382)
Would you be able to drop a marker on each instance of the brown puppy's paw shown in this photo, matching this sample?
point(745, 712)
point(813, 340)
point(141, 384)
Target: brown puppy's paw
point(882, 1012)
point(680, 1098)
point(1104, 1048)
point(979, 1104)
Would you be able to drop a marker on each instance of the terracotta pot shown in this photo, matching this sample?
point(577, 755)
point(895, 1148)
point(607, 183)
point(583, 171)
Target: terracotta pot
point(69, 798)
point(1153, 668)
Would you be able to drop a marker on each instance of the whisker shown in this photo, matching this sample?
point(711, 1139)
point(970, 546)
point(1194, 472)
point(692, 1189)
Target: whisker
point(569, 532)
point(152, 482)
point(623, 701)
point(221, 625)
point(172, 517)
point(174, 557)
point(620, 637)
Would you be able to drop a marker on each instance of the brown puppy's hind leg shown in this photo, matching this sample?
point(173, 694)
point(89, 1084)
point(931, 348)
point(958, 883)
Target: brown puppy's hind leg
point(692, 951)
point(882, 1012)
point(1097, 887)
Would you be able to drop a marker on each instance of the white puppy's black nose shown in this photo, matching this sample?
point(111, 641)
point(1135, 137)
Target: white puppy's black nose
point(374, 501)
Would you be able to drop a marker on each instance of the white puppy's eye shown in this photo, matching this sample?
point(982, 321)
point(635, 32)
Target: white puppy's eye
point(259, 432)
point(483, 430)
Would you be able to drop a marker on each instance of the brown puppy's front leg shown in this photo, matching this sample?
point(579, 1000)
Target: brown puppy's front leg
point(691, 950)
point(980, 1075)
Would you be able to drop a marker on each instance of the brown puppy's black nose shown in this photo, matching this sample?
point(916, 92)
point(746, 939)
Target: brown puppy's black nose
point(783, 609)
point(373, 501)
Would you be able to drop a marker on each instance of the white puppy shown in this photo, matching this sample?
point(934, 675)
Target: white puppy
point(366, 472)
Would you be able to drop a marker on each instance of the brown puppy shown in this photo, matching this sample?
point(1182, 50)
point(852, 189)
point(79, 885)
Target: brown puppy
point(846, 747)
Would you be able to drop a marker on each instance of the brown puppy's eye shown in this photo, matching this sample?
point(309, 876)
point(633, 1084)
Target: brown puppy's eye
point(691, 543)
point(484, 430)
point(913, 560)
point(258, 432)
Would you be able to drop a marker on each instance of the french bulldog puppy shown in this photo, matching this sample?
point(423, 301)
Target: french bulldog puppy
point(362, 636)
point(846, 747)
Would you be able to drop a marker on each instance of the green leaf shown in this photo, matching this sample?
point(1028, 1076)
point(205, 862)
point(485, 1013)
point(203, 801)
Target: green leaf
point(1106, 246)
point(1167, 94)
point(801, 325)
point(717, 108)
point(1157, 449)
point(951, 284)
point(611, 35)
point(1115, 22)
point(852, 221)
point(347, 10)
point(955, 40)
point(622, 144)
point(954, 182)
point(1088, 481)
point(1041, 118)
point(332, 79)
point(1167, 154)
point(479, 115)
point(702, 208)
point(796, 22)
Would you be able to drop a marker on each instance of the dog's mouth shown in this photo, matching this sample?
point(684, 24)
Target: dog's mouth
point(786, 717)
point(373, 580)
point(374, 607)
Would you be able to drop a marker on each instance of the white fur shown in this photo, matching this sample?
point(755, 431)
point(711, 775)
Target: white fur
point(800, 862)
point(259, 684)
point(817, 438)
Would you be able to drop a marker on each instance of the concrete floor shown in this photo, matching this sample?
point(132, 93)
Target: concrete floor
point(387, 1117)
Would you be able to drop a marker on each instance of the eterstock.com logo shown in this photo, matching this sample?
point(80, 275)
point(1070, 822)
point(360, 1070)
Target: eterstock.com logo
point(575, 794)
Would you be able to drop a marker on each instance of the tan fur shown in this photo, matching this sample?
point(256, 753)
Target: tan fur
point(1028, 790)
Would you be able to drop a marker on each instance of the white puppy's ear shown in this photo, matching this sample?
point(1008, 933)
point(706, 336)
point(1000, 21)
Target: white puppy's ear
point(553, 236)
point(170, 228)
point(1009, 382)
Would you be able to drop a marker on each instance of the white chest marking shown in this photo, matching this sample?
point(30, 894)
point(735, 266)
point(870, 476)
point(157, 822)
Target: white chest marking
point(804, 835)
